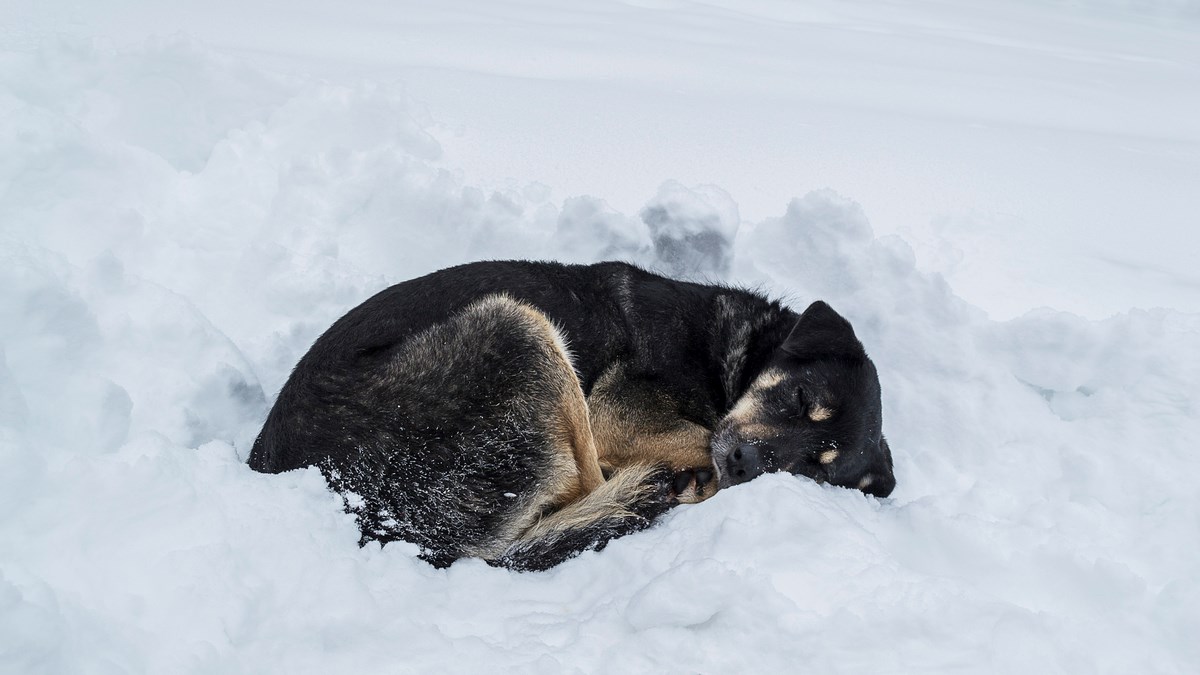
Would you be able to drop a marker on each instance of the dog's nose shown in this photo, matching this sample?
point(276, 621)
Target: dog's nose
point(743, 463)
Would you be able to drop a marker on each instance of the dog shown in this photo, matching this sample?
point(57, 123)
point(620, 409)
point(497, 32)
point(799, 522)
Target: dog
point(523, 412)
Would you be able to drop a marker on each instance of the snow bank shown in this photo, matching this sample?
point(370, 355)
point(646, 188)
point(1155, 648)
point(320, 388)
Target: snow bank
point(179, 226)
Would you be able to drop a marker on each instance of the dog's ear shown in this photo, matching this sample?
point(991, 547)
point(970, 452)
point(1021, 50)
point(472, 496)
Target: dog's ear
point(821, 332)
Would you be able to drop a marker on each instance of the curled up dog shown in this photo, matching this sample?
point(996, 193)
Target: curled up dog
point(524, 412)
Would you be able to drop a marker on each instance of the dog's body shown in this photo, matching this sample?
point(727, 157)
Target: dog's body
point(523, 412)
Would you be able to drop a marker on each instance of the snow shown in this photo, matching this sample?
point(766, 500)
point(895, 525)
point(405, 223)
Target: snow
point(998, 195)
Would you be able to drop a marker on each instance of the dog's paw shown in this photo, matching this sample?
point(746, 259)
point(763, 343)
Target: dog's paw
point(692, 485)
point(662, 482)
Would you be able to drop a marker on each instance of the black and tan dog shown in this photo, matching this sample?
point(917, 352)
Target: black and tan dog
point(523, 412)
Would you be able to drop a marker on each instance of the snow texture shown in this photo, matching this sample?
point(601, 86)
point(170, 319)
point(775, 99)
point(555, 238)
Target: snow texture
point(180, 219)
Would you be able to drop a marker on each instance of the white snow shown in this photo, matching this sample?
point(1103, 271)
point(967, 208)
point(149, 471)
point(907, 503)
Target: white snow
point(191, 192)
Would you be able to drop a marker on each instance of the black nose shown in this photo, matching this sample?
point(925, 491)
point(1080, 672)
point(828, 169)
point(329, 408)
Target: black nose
point(743, 463)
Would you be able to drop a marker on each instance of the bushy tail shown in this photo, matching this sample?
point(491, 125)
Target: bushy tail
point(629, 501)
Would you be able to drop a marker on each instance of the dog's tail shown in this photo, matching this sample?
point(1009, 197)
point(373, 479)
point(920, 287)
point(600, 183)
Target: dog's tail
point(629, 501)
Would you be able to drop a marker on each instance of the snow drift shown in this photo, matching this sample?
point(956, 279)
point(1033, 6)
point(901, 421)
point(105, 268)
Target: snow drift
point(178, 226)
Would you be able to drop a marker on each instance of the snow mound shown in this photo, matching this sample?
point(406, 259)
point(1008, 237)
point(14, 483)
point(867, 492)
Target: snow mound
point(179, 227)
point(692, 229)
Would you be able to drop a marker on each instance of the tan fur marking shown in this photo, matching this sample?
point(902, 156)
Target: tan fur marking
point(819, 413)
point(749, 407)
point(866, 482)
point(573, 428)
point(767, 379)
point(828, 456)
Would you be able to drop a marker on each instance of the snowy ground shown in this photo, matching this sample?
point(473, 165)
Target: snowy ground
point(182, 213)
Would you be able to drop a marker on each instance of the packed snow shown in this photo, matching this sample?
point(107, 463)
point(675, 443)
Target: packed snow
point(999, 196)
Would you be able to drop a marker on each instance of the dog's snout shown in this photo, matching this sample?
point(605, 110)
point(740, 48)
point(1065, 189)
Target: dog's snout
point(744, 463)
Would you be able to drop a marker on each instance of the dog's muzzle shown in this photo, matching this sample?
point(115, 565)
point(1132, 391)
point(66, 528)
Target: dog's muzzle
point(735, 461)
point(743, 463)
point(721, 444)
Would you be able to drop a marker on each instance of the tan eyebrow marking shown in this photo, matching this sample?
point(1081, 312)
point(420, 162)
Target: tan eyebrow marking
point(769, 378)
point(819, 413)
point(749, 406)
point(828, 456)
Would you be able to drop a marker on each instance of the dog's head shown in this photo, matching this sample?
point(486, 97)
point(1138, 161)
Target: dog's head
point(813, 411)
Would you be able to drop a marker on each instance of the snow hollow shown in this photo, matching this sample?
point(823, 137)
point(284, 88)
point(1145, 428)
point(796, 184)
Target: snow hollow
point(181, 216)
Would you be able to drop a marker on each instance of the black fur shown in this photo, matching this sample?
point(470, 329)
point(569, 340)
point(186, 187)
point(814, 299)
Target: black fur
point(434, 421)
